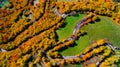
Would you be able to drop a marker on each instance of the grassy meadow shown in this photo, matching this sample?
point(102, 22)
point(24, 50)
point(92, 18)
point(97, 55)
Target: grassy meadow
point(104, 29)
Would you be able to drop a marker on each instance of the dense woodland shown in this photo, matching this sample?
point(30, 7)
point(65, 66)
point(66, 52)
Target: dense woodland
point(28, 33)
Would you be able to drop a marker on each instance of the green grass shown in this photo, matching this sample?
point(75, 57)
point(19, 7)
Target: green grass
point(78, 65)
point(103, 29)
point(66, 32)
point(71, 22)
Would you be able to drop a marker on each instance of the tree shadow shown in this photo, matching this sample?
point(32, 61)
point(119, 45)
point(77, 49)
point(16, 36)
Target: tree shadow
point(63, 25)
point(74, 44)
point(93, 22)
point(76, 15)
point(64, 48)
point(118, 63)
point(56, 37)
point(97, 20)
point(83, 34)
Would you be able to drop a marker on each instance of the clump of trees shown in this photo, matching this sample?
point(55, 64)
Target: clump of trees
point(101, 8)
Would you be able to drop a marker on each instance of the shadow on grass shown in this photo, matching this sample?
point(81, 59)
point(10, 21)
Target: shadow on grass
point(63, 25)
point(56, 37)
point(64, 48)
point(76, 15)
point(118, 63)
point(97, 20)
point(85, 33)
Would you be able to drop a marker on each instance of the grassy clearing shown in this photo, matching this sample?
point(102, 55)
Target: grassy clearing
point(71, 22)
point(103, 29)
point(64, 33)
